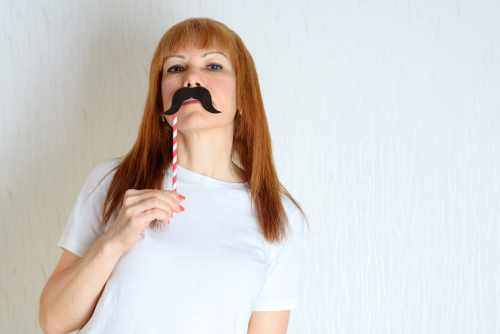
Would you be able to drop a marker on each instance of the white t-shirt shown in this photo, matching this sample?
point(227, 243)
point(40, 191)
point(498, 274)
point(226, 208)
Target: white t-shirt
point(205, 272)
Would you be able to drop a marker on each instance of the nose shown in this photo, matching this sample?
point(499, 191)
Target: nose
point(192, 78)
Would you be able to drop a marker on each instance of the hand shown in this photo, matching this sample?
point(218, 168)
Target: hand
point(138, 209)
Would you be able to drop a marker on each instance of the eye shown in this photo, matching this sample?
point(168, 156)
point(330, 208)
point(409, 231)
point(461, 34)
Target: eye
point(214, 67)
point(174, 68)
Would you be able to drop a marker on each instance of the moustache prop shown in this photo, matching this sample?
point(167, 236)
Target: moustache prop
point(185, 93)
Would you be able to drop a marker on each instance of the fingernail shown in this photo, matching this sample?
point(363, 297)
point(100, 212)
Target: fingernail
point(182, 209)
point(182, 197)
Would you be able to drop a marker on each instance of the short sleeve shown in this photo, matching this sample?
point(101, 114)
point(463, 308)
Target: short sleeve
point(83, 227)
point(281, 290)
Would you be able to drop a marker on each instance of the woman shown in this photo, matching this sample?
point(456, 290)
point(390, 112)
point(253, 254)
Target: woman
point(231, 261)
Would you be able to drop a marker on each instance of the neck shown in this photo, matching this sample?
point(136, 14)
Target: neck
point(208, 152)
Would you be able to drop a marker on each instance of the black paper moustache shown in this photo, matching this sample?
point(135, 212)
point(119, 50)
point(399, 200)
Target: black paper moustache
point(185, 93)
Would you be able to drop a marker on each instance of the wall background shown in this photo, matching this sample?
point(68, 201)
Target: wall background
point(385, 119)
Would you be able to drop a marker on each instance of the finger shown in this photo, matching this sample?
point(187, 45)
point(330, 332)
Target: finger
point(135, 197)
point(166, 203)
point(136, 192)
point(143, 194)
point(153, 214)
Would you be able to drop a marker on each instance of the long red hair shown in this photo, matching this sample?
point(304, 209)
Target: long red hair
point(145, 166)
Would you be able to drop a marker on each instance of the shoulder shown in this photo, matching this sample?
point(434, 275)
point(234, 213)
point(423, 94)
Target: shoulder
point(106, 166)
point(295, 217)
point(101, 172)
point(103, 168)
point(290, 208)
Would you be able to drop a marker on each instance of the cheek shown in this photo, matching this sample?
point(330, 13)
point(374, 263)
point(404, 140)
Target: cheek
point(227, 88)
point(167, 92)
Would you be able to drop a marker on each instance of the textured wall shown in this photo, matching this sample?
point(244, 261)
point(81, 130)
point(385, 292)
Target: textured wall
point(386, 127)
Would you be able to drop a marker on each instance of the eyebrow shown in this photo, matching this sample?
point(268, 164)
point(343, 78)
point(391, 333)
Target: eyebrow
point(202, 56)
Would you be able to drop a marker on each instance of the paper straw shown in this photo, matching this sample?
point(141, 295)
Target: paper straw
point(174, 166)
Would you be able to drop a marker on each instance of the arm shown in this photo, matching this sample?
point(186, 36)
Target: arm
point(269, 322)
point(69, 298)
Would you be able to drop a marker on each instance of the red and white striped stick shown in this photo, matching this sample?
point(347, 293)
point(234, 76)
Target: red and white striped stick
point(174, 166)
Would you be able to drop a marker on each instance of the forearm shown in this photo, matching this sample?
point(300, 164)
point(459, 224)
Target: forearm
point(69, 298)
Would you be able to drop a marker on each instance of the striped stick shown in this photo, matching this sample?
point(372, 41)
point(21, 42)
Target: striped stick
point(174, 166)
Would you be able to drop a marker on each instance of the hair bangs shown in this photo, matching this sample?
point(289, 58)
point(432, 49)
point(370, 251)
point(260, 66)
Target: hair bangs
point(201, 34)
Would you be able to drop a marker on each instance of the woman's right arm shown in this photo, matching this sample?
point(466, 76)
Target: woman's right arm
point(70, 297)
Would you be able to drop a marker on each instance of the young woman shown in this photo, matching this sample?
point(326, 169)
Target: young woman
point(230, 260)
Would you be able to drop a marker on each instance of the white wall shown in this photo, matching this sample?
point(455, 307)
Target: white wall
point(386, 127)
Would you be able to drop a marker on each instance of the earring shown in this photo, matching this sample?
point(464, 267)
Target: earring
point(241, 111)
point(163, 119)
